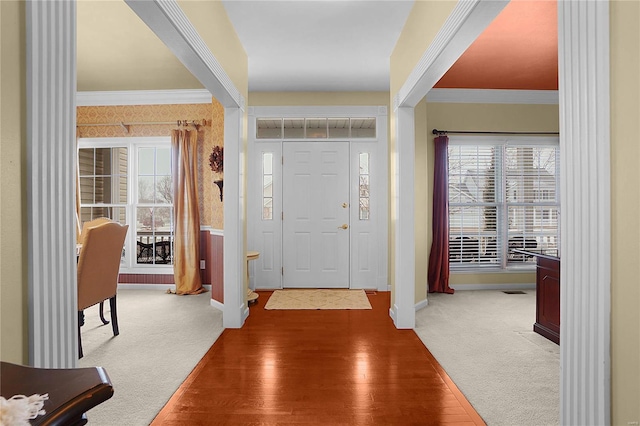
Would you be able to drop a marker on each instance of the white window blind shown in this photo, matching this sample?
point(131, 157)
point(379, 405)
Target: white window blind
point(503, 196)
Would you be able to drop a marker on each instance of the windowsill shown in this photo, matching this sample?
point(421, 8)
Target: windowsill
point(149, 270)
point(510, 270)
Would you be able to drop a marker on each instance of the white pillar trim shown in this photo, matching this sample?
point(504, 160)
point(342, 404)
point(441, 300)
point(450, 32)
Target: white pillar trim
point(585, 221)
point(403, 310)
point(235, 306)
point(51, 165)
point(172, 26)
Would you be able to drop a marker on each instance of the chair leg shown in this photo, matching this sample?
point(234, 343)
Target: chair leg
point(80, 324)
point(104, 321)
point(114, 316)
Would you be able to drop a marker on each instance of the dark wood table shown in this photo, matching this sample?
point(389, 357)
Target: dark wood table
point(72, 392)
point(547, 294)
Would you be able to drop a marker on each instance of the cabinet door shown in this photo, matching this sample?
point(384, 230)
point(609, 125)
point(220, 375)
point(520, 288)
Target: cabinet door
point(548, 299)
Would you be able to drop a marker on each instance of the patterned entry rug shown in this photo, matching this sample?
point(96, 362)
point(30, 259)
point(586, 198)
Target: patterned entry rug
point(318, 299)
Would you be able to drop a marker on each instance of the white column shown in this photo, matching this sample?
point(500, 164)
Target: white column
point(403, 309)
point(235, 306)
point(51, 120)
point(585, 212)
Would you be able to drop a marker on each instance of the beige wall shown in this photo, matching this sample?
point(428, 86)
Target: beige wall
point(212, 23)
point(117, 51)
point(423, 23)
point(625, 212)
point(13, 260)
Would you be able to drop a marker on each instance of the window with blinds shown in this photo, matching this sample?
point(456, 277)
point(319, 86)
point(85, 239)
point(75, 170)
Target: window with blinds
point(503, 196)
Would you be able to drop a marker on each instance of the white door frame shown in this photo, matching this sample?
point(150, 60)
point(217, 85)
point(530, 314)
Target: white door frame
point(584, 127)
point(270, 262)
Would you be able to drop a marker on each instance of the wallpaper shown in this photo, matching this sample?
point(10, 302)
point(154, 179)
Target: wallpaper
point(211, 210)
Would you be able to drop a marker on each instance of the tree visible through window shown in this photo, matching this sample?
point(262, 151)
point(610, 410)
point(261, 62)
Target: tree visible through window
point(502, 197)
point(130, 181)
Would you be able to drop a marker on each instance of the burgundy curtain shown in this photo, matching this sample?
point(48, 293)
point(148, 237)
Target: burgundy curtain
point(438, 273)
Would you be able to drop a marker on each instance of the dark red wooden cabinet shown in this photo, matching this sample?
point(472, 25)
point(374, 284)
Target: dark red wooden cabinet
point(548, 297)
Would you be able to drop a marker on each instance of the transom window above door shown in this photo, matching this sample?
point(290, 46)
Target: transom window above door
point(315, 128)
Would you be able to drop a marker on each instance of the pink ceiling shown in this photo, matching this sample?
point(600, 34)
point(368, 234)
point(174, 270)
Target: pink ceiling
point(519, 50)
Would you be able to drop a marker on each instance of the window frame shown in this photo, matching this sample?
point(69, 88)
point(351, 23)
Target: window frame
point(502, 204)
point(132, 144)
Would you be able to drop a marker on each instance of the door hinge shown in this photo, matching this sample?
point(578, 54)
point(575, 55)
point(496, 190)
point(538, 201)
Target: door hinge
point(281, 215)
point(282, 160)
point(283, 270)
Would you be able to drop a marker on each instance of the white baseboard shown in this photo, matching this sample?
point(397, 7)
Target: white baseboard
point(518, 286)
point(156, 287)
point(392, 313)
point(245, 313)
point(219, 306)
point(421, 304)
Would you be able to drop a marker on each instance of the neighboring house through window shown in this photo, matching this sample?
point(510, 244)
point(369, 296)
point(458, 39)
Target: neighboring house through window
point(503, 196)
point(129, 180)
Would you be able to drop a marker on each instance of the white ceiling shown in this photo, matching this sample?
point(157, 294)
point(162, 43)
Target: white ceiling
point(325, 45)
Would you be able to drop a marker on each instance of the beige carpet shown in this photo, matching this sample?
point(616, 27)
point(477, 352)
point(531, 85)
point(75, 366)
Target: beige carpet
point(318, 299)
point(162, 338)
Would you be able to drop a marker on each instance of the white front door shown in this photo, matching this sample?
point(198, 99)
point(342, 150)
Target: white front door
point(315, 223)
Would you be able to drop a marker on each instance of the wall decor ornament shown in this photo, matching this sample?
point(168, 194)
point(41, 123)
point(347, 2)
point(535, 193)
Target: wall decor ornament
point(216, 162)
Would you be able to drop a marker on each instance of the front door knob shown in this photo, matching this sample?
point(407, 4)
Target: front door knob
point(344, 226)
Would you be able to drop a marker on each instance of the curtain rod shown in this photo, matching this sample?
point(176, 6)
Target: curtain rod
point(444, 132)
point(125, 126)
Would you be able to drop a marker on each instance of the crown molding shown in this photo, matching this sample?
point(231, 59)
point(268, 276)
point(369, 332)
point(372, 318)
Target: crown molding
point(467, 21)
point(491, 96)
point(144, 97)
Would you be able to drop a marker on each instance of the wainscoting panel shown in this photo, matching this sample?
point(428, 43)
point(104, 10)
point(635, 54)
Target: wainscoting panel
point(216, 260)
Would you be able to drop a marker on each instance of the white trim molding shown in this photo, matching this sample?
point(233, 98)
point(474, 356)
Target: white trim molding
point(51, 164)
point(235, 304)
point(144, 97)
point(493, 96)
point(167, 20)
point(403, 204)
point(585, 223)
point(266, 236)
point(421, 304)
point(465, 23)
point(501, 287)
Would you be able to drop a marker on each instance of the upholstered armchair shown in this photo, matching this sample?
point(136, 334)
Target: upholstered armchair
point(98, 269)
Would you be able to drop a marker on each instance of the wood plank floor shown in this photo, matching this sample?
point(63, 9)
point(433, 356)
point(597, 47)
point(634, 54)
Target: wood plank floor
point(318, 367)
